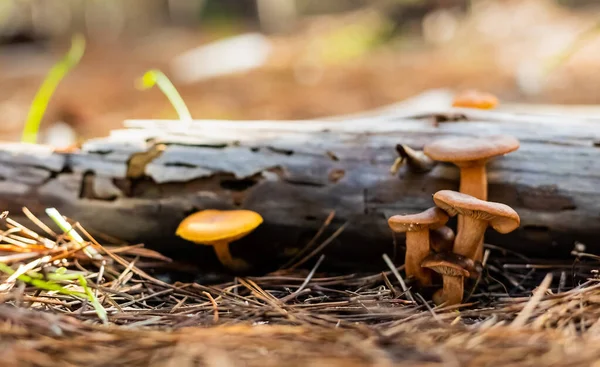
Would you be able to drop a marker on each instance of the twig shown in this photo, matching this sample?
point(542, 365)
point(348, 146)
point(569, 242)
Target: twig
point(321, 246)
point(486, 256)
point(396, 273)
point(310, 243)
point(306, 281)
point(524, 315)
point(215, 306)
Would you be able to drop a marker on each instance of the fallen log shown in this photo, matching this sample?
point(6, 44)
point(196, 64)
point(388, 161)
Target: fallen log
point(138, 183)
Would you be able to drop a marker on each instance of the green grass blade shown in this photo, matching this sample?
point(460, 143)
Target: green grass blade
point(37, 280)
point(43, 95)
point(42, 284)
point(70, 231)
point(157, 77)
point(100, 311)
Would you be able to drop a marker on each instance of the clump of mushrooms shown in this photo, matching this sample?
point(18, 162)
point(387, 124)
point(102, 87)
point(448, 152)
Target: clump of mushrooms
point(471, 156)
point(218, 228)
point(458, 256)
point(477, 216)
point(416, 227)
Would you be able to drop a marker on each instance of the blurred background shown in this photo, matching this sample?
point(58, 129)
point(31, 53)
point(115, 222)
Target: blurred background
point(288, 59)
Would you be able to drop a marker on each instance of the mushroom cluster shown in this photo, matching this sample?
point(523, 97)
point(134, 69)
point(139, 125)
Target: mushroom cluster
point(431, 246)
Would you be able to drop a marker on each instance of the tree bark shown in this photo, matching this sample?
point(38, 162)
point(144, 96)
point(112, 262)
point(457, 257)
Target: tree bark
point(138, 183)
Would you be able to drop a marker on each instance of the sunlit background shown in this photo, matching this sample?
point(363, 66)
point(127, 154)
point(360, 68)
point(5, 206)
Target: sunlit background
point(285, 59)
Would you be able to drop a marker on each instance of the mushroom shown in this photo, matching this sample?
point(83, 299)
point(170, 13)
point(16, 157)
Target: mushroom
point(416, 160)
point(441, 239)
point(218, 228)
point(471, 155)
point(475, 99)
point(416, 227)
point(453, 268)
point(477, 216)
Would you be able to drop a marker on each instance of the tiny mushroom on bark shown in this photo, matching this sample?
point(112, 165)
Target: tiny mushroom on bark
point(477, 216)
point(416, 160)
point(416, 227)
point(475, 99)
point(218, 228)
point(441, 239)
point(453, 268)
point(471, 155)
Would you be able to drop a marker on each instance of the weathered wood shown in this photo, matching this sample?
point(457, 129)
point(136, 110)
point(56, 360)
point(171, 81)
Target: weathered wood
point(139, 182)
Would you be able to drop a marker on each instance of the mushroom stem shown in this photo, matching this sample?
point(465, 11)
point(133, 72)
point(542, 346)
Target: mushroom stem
point(452, 291)
point(479, 254)
point(473, 181)
point(417, 249)
point(224, 255)
point(470, 237)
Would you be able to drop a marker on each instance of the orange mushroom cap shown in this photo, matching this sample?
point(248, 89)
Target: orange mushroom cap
point(209, 226)
point(449, 263)
point(501, 217)
point(429, 219)
point(464, 151)
point(475, 99)
point(446, 267)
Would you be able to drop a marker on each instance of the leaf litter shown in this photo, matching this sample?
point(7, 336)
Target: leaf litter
point(61, 305)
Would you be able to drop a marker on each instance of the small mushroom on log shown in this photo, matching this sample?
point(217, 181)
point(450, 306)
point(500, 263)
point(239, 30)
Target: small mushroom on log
point(475, 99)
point(416, 161)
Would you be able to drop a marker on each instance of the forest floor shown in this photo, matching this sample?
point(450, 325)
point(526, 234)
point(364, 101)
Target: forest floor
point(110, 311)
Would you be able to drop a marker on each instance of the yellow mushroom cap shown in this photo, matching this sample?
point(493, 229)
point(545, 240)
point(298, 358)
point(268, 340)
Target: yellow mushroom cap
point(210, 226)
